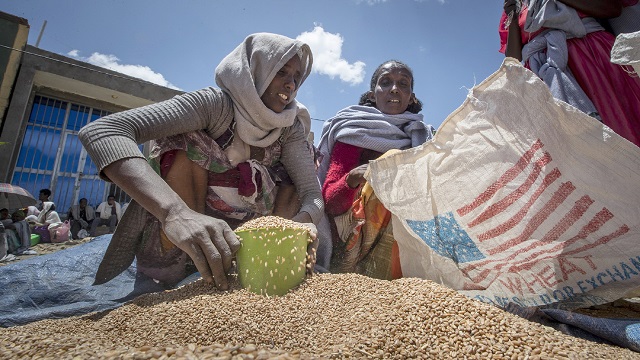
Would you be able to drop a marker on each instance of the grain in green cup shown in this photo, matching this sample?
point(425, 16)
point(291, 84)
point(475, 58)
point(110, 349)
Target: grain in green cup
point(273, 255)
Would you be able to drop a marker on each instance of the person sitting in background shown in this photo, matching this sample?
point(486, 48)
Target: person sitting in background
point(32, 213)
point(43, 197)
point(573, 57)
point(47, 216)
point(81, 217)
point(11, 241)
point(4, 246)
point(386, 118)
point(40, 223)
point(110, 213)
point(4, 214)
point(19, 232)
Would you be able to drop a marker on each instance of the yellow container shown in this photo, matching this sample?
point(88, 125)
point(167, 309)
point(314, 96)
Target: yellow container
point(272, 261)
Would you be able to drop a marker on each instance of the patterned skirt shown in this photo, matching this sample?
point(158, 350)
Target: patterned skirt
point(364, 241)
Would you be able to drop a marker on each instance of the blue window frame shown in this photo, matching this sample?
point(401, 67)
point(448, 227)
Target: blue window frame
point(51, 155)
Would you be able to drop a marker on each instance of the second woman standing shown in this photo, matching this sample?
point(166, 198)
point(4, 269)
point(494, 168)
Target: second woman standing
point(386, 118)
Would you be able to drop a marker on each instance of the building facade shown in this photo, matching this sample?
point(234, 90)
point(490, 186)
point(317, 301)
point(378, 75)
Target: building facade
point(50, 99)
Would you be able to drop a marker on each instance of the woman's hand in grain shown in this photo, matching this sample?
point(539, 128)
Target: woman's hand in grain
point(305, 220)
point(208, 241)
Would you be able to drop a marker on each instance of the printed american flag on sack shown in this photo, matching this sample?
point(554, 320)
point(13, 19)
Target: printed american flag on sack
point(509, 230)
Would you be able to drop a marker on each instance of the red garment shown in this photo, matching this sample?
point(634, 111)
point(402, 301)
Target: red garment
point(503, 30)
point(338, 196)
point(613, 90)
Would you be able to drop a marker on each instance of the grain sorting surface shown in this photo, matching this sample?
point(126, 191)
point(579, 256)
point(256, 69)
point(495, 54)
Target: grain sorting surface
point(328, 316)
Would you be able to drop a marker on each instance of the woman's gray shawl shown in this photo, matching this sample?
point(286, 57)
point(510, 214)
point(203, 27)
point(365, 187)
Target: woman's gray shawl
point(369, 128)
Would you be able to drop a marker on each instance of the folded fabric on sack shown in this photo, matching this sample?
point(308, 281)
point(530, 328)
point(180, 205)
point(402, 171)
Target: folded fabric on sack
point(626, 50)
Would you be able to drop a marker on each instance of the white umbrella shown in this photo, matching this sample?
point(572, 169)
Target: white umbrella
point(15, 197)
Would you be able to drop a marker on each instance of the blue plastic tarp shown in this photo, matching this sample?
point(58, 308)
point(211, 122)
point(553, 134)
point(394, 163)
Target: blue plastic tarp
point(59, 285)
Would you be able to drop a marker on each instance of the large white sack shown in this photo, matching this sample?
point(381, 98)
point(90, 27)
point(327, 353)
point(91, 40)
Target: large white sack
point(518, 198)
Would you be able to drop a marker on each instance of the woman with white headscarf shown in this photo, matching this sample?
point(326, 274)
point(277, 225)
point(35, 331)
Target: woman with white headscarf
point(48, 215)
point(218, 157)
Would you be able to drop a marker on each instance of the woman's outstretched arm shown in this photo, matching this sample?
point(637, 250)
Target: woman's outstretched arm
point(112, 144)
point(209, 242)
point(514, 39)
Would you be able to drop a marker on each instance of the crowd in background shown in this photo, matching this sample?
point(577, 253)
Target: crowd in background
point(25, 227)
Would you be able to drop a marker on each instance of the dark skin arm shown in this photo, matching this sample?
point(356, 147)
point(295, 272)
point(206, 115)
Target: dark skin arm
point(208, 241)
point(514, 39)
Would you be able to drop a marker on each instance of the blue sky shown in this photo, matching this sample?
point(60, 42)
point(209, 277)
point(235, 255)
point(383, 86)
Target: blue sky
point(450, 44)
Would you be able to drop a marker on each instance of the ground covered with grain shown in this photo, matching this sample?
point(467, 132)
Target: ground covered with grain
point(329, 316)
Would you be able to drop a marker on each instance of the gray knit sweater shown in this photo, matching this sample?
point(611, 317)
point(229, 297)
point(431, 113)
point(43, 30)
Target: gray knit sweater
point(117, 136)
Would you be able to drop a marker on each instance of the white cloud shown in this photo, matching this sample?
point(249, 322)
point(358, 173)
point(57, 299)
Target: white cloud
point(112, 62)
point(327, 56)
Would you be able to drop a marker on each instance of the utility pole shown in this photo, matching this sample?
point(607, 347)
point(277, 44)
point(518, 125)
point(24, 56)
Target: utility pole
point(44, 25)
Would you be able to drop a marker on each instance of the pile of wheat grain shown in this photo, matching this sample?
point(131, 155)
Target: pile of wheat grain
point(328, 316)
point(272, 222)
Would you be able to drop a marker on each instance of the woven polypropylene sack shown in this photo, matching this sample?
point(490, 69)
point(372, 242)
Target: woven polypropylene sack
point(518, 198)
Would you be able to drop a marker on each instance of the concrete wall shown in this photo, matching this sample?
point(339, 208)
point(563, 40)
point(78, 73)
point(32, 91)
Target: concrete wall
point(14, 32)
point(67, 79)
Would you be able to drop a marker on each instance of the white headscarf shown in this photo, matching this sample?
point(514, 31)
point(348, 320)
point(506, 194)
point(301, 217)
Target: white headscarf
point(48, 216)
point(246, 73)
point(369, 128)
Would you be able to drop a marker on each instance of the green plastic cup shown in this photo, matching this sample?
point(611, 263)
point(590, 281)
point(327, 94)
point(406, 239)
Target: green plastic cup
point(272, 261)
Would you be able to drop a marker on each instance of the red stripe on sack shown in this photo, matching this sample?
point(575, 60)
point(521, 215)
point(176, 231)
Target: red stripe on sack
point(569, 219)
point(594, 225)
point(556, 200)
point(623, 229)
point(508, 176)
point(576, 212)
point(503, 204)
point(515, 220)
